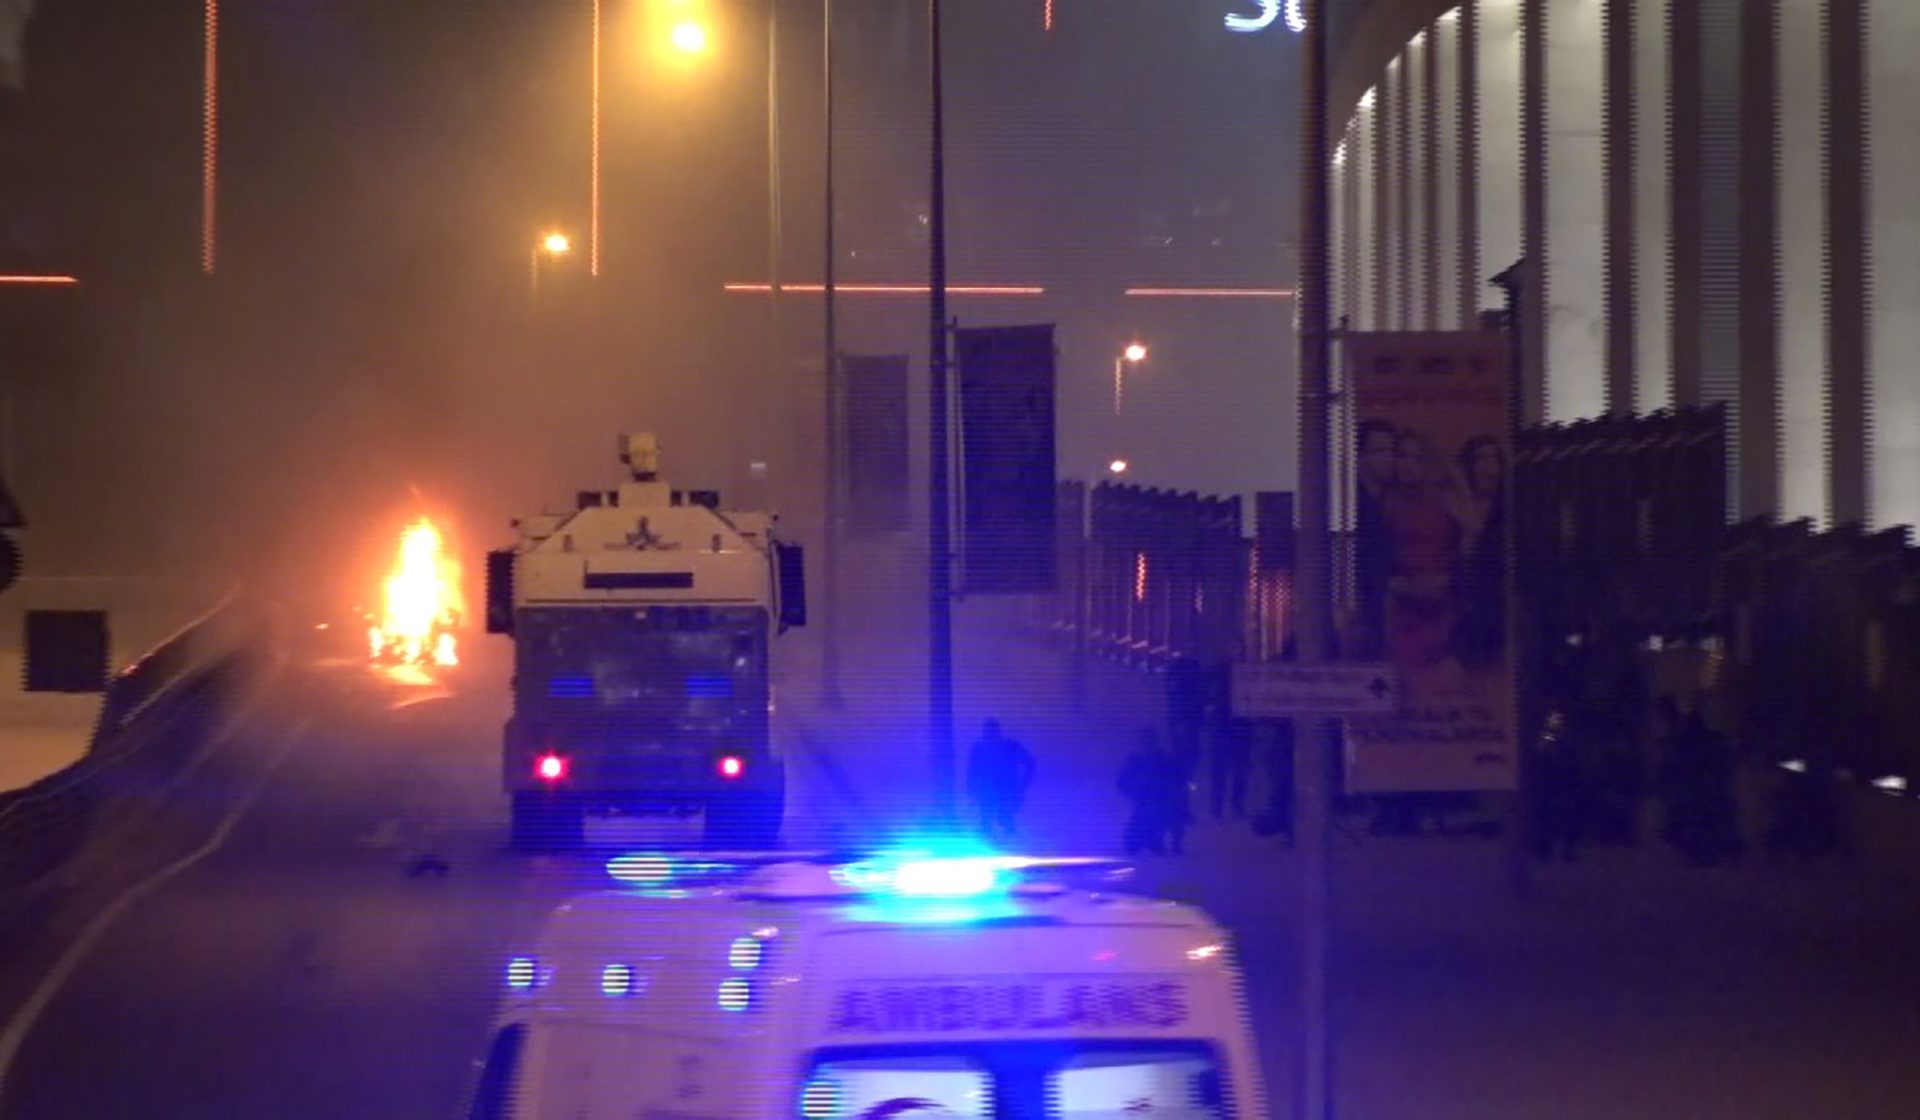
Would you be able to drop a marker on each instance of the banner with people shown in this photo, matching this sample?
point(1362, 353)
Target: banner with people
point(1430, 559)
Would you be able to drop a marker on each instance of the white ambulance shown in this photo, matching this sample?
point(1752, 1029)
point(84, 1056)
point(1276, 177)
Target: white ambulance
point(896, 987)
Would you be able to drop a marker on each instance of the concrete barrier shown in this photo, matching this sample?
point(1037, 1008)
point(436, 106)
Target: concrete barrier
point(153, 715)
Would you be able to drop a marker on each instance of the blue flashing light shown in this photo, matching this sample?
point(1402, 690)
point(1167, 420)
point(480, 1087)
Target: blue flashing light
point(574, 687)
point(522, 972)
point(735, 994)
point(919, 875)
point(745, 953)
point(947, 878)
point(616, 980)
point(711, 687)
point(641, 869)
point(820, 1100)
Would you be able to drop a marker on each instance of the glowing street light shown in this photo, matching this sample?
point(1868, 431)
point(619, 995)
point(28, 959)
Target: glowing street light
point(1118, 466)
point(689, 37)
point(553, 245)
point(1134, 354)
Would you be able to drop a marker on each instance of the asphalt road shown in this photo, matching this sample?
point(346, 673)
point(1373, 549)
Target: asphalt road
point(261, 943)
point(266, 946)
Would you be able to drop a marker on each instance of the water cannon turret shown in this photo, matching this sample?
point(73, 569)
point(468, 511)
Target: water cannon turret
point(641, 452)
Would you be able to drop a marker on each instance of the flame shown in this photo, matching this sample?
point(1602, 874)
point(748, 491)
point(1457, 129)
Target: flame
point(422, 603)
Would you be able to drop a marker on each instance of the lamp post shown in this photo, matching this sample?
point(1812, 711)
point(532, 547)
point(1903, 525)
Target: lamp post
point(830, 694)
point(551, 246)
point(688, 36)
point(939, 496)
point(1133, 355)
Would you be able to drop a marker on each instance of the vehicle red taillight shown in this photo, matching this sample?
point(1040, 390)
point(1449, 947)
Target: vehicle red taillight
point(732, 766)
point(550, 768)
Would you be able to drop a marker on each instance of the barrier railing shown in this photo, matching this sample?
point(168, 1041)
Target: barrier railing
point(43, 824)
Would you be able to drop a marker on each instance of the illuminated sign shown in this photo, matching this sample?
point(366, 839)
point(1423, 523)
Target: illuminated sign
point(1270, 13)
point(1038, 1005)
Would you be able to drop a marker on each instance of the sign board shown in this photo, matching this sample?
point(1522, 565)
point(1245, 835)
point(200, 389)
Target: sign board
point(68, 651)
point(1054, 1003)
point(1284, 688)
point(878, 466)
point(1007, 453)
point(1430, 560)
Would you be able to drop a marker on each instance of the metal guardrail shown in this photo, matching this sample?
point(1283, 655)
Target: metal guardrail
point(43, 824)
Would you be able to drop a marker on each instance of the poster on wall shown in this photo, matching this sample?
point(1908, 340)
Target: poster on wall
point(1431, 459)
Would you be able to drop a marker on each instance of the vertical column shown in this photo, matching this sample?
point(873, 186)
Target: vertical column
point(1759, 272)
point(1399, 93)
point(1446, 172)
point(1621, 184)
point(1384, 263)
point(1406, 187)
point(1653, 206)
point(1340, 234)
point(1428, 49)
point(1371, 244)
point(1803, 375)
point(1469, 280)
point(1722, 218)
point(1534, 196)
point(1498, 99)
point(1574, 239)
point(1683, 187)
point(1351, 243)
point(1892, 430)
point(1847, 166)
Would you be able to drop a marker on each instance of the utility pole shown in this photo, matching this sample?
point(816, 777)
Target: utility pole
point(830, 694)
point(939, 501)
point(1512, 282)
point(1318, 742)
point(776, 234)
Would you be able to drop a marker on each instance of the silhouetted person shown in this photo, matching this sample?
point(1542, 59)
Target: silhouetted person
point(1561, 785)
point(1186, 713)
point(1703, 809)
point(999, 772)
point(1232, 768)
point(1276, 818)
point(1156, 789)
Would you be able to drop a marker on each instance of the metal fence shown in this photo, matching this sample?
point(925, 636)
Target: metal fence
point(1821, 647)
point(1150, 575)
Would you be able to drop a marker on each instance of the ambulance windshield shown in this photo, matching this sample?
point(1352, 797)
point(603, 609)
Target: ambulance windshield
point(1018, 1081)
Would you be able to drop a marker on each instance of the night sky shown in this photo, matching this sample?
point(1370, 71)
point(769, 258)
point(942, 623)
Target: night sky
point(384, 169)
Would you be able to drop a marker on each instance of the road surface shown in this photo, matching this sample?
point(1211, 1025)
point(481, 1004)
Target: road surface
point(269, 941)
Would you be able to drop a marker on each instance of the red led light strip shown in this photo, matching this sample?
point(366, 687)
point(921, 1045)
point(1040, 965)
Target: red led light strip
point(894, 289)
point(1216, 293)
point(593, 190)
point(210, 137)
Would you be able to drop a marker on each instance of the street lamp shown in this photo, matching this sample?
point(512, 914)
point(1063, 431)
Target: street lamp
point(689, 37)
point(1134, 354)
point(1118, 466)
point(553, 245)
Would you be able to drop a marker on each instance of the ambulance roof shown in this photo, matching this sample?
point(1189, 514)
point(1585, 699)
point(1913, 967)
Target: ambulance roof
point(886, 892)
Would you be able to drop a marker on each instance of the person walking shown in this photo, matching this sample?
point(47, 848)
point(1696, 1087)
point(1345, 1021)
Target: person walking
point(1186, 713)
point(1155, 786)
point(1277, 818)
point(1000, 770)
point(1232, 749)
point(1703, 814)
point(1140, 777)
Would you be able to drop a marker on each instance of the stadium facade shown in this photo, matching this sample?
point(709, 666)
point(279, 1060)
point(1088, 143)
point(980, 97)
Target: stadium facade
point(1714, 200)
